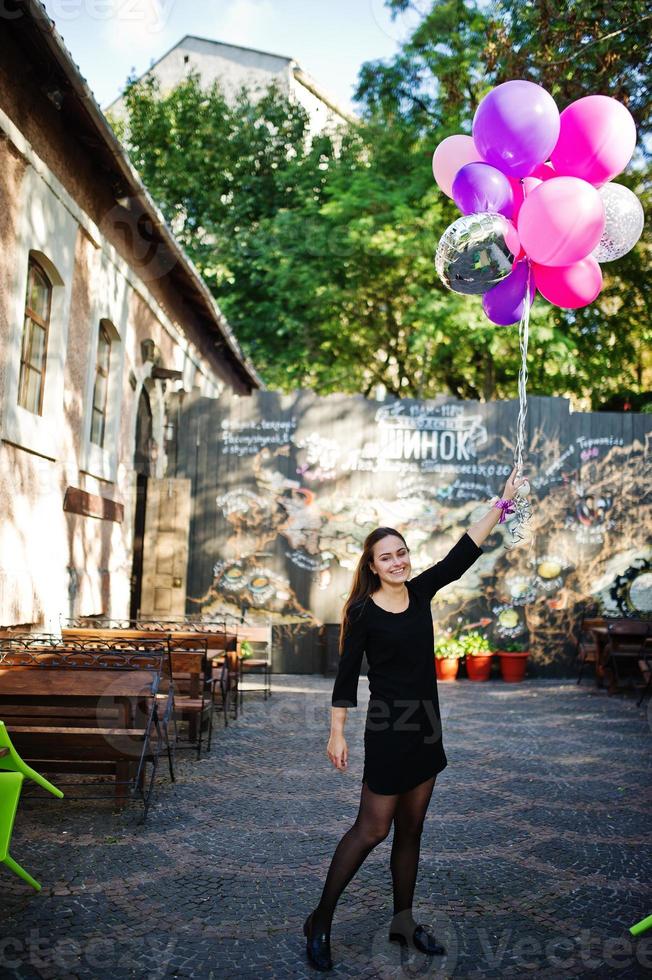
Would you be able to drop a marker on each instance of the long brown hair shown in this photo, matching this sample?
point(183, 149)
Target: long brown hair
point(364, 580)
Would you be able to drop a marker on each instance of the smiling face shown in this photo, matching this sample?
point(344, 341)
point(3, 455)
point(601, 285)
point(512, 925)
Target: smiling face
point(391, 560)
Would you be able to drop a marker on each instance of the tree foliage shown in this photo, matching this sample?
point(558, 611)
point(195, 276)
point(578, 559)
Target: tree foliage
point(457, 53)
point(319, 249)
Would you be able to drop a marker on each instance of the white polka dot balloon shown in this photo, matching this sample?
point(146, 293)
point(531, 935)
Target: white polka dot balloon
point(623, 226)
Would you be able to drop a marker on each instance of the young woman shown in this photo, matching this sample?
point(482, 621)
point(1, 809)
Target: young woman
point(388, 616)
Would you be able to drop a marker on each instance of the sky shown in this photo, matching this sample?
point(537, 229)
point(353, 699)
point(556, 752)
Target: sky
point(330, 39)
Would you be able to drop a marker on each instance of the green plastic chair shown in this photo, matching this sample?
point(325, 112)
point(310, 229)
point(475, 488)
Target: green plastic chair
point(641, 926)
point(11, 784)
point(12, 762)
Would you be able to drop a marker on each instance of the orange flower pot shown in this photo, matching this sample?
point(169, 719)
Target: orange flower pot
point(512, 665)
point(446, 668)
point(478, 667)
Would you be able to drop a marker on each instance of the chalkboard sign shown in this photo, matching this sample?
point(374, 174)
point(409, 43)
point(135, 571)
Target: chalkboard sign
point(286, 487)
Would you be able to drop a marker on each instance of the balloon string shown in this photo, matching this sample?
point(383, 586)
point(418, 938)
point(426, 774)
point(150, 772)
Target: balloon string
point(523, 338)
point(517, 526)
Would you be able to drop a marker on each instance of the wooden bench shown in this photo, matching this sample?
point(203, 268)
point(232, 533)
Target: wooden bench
point(114, 651)
point(220, 645)
point(89, 712)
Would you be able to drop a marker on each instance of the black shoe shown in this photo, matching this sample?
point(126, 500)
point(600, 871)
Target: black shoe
point(421, 940)
point(318, 946)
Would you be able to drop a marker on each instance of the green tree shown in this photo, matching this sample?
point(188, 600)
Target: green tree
point(461, 48)
point(322, 256)
point(576, 48)
point(457, 53)
point(227, 174)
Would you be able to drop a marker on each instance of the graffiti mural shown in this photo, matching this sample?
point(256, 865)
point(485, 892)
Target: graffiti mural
point(286, 488)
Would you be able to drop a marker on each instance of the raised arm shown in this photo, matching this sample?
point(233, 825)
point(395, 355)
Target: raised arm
point(461, 556)
point(467, 550)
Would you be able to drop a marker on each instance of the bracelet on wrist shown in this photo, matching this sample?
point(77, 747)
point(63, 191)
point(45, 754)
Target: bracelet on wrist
point(506, 506)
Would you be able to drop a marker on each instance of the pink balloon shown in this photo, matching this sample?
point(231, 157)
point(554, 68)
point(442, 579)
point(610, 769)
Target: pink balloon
point(452, 153)
point(521, 189)
point(517, 191)
point(523, 186)
point(569, 286)
point(561, 221)
point(512, 240)
point(544, 172)
point(596, 139)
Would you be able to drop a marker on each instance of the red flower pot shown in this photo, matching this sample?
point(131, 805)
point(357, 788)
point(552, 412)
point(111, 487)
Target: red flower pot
point(478, 667)
point(512, 665)
point(446, 668)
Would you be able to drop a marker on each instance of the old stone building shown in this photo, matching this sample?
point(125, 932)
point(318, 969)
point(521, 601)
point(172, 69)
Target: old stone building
point(104, 325)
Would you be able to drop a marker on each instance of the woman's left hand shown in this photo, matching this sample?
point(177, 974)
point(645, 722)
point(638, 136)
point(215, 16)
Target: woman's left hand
point(513, 484)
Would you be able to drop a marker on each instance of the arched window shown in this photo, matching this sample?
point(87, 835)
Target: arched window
point(36, 325)
point(101, 386)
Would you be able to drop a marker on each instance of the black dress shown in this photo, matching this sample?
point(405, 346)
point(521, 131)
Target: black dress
point(403, 739)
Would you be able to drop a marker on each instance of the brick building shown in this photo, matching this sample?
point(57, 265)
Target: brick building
point(104, 325)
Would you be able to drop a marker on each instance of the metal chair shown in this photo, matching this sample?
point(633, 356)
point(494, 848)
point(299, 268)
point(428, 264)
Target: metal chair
point(220, 681)
point(627, 642)
point(193, 689)
point(586, 650)
point(259, 639)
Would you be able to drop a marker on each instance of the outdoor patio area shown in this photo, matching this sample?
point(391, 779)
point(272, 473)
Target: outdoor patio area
point(535, 856)
point(325, 377)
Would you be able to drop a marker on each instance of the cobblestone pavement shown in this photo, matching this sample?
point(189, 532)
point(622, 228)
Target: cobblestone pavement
point(536, 853)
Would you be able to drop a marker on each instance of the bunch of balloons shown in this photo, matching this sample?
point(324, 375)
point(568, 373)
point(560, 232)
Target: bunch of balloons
point(539, 208)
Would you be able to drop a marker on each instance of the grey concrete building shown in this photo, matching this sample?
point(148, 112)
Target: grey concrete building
point(236, 67)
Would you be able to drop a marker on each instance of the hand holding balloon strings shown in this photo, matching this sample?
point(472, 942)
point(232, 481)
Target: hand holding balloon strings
point(514, 504)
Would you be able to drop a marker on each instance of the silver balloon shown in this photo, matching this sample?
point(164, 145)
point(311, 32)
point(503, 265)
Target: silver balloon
point(623, 225)
point(473, 253)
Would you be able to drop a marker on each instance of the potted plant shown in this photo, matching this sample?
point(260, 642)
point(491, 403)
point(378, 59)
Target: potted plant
point(478, 655)
point(513, 658)
point(448, 651)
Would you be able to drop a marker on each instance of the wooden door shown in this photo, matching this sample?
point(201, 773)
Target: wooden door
point(165, 548)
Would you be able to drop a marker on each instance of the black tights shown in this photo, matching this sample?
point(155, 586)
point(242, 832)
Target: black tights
point(372, 824)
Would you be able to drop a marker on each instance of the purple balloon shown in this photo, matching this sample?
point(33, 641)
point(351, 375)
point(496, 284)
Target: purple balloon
point(479, 187)
point(516, 127)
point(505, 303)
